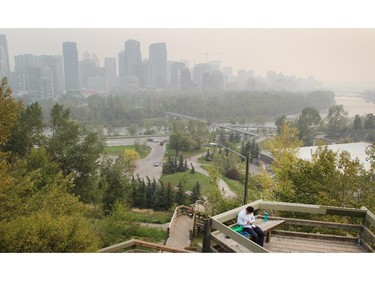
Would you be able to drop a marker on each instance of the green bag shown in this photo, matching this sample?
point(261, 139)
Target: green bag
point(237, 228)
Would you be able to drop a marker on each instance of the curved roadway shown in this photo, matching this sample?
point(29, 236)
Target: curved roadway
point(146, 166)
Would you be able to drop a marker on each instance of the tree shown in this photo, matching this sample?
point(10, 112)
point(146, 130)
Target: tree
point(9, 110)
point(132, 129)
point(336, 118)
point(254, 153)
point(284, 148)
point(216, 203)
point(198, 132)
point(118, 226)
point(370, 121)
point(279, 123)
point(130, 157)
point(307, 123)
point(37, 217)
point(180, 194)
point(196, 194)
point(114, 183)
point(76, 150)
point(170, 196)
point(357, 123)
point(27, 131)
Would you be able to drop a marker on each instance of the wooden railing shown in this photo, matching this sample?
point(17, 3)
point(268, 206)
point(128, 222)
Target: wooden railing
point(139, 244)
point(180, 210)
point(366, 236)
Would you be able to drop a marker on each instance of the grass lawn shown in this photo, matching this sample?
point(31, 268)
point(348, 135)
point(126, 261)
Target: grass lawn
point(236, 186)
point(118, 150)
point(191, 179)
point(152, 235)
point(150, 216)
point(185, 154)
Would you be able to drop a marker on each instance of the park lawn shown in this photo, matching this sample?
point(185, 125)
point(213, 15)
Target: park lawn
point(191, 179)
point(150, 216)
point(151, 234)
point(236, 186)
point(119, 150)
point(185, 154)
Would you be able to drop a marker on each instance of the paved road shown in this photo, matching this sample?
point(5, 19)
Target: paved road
point(146, 167)
point(130, 140)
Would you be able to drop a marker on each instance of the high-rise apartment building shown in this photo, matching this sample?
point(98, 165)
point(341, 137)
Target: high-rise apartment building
point(71, 66)
point(158, 60)
point(4, 59)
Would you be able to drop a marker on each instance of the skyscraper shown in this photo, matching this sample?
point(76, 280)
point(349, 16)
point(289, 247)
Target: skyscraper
point(133, 63)
point(158, 60)
point(71, 68)
point(4, 58)
point(176, 74)
point(110, 73)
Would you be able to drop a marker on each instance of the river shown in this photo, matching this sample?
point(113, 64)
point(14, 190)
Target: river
point(354, 103)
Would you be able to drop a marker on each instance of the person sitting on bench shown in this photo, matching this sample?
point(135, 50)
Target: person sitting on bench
point(246, 219)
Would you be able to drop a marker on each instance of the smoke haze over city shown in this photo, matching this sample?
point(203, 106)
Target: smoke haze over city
point(341, 58)
point(129, 68)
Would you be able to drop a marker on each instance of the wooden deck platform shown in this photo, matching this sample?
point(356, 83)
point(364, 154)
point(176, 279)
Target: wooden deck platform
point(291, 244)
point(180, 232)
point(233, 246)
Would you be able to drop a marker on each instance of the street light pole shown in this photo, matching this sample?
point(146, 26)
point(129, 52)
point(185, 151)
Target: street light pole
point(246, 180)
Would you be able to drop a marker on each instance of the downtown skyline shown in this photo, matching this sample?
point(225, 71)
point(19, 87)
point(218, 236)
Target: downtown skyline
point(339, 58)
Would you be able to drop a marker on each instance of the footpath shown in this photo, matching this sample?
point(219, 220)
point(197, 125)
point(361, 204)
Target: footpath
point(222, 184)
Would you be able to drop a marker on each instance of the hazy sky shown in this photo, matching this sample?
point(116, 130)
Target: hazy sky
point(332, 40)
point(333, 56)
point(330, 55)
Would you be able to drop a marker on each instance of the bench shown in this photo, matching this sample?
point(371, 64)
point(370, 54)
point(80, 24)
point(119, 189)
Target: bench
point(232, 246)
point(268, 226)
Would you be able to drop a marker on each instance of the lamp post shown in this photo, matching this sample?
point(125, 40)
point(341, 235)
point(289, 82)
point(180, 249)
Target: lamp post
point(245, 197)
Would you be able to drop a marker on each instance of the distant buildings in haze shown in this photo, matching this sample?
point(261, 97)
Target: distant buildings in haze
point(50, 76)
point(71, 66)
point(4, 58)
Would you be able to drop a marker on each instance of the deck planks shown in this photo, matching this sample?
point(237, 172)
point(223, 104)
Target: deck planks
point(288, 244)
point(179, 233)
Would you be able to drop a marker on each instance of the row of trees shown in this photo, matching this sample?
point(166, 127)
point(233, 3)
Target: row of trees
point(331, 178)
point(39, 211)
point(188, 136)
point(336, 125)
point(172, 166)
point(58, 192)
point(222, 106)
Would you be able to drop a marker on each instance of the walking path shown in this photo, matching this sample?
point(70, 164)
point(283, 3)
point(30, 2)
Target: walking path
point(222, 184)
point(145, 167)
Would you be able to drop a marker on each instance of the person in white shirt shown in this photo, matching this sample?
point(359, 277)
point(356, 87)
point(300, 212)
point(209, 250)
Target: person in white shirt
point(246, 219)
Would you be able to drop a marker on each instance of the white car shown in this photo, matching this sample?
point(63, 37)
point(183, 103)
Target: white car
point(157, 164)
